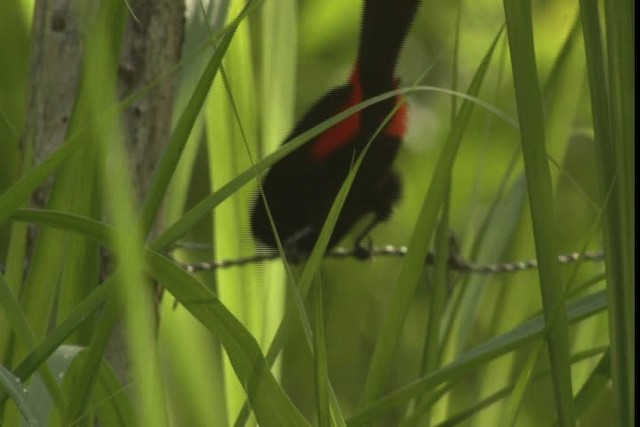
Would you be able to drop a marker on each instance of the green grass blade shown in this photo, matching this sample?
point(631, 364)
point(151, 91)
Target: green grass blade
point(529, 104)
point(19, 192)
point(441, 281)
point(514, 339)
point(23, 331)
point(80, 392)
point(198, 374)
point(231, 131)
point(18, 393)
point(524, 379)
point(133, 300)
point(408, 279)
point(269, 402)
point(73, 191)
point(595, 385)
point(110, 400)
point(56, 337)
point(321, 373)
point(186, 121)
point(611, 83)
point(505, 392)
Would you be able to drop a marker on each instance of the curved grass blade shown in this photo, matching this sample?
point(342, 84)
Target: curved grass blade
point(525, 333)
point(271, 405)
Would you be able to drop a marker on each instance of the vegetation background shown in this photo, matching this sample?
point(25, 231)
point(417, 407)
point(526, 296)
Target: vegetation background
point(521, 144)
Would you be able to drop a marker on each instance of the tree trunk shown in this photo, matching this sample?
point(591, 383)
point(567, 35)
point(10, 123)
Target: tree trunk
point(152, 46)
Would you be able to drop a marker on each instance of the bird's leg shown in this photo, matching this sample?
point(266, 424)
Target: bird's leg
point(364, 250)
point(455, 261)
point(293, 251)
point(387, 191)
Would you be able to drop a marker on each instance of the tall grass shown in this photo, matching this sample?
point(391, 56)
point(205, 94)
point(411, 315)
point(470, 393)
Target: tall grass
point(543, 105)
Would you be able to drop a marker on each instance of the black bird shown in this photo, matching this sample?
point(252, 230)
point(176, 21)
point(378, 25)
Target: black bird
point(301, 187)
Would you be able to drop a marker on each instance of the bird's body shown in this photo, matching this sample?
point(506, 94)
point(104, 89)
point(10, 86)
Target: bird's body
point(301, 187)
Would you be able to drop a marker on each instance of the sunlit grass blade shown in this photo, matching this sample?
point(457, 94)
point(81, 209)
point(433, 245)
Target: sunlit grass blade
point(231, 133)
point(276, 80)
point(198, 374)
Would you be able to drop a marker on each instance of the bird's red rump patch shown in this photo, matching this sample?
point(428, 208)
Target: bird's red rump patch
point(397, 127)
point(342, 133)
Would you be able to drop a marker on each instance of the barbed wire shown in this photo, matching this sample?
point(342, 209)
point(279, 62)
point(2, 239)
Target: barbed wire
point(456, 262)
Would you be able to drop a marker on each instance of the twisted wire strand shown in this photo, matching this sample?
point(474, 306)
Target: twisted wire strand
point(456, 262)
